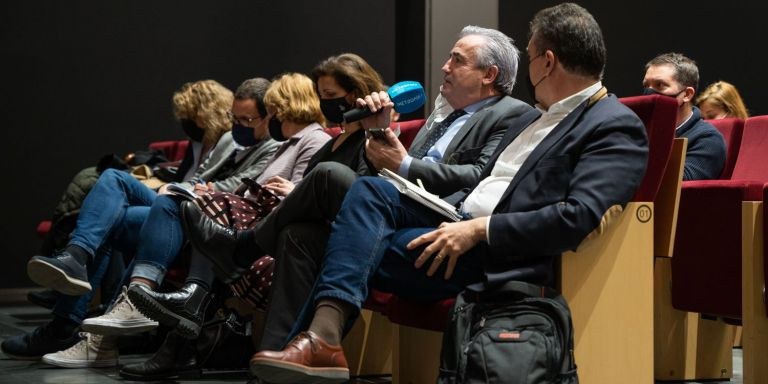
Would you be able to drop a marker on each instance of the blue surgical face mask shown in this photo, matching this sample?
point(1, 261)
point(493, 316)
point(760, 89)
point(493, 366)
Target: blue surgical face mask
point(243, 135)
point(276, 129)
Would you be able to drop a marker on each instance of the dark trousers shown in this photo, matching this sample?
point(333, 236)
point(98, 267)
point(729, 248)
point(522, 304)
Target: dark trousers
point(295, 234)
point(300, 252)
point(367, 247)
point(317, 198)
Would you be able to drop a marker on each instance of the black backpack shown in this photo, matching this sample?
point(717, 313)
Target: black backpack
point(519, 333)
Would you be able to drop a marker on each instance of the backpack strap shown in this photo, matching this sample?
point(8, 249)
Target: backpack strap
point(512, 288)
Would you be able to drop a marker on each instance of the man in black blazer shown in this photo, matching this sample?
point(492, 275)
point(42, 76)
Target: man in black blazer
point(554, 175)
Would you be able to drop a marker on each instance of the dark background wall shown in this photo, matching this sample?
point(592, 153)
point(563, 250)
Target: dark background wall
point(726, 39)
point(87, 78)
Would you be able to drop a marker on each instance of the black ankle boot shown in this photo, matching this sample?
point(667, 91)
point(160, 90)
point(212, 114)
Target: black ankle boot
point(183, 309)
point(176, 359)
point(216, 242)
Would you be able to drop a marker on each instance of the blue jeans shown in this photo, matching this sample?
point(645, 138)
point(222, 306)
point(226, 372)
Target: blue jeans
point(124, 237)
point(105, 208)
point(122, 212)
point(160, 239)
point(368, 246)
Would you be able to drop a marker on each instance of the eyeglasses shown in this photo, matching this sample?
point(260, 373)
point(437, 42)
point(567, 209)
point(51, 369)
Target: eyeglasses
point(242, 120)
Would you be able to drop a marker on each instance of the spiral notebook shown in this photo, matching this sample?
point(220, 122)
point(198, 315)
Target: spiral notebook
point(421, 195)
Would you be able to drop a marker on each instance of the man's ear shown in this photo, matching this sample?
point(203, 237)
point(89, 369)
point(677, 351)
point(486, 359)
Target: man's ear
point(689, 93)
point(490, 75)
point(550, 57)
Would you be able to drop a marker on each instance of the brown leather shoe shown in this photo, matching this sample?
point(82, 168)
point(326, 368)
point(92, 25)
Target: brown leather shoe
point(306, 359)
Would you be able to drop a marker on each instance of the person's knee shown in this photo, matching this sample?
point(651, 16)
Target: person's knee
point(331, 173)
point(167, 204)
point(113, 175)
point(369, 188)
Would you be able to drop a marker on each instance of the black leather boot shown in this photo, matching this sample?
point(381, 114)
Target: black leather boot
point(176, 359)
point(183, 309)
point(214, 241)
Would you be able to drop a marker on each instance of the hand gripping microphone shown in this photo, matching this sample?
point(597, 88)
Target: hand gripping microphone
point(408, 96)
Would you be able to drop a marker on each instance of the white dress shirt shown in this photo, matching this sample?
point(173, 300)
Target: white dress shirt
point(484, 198)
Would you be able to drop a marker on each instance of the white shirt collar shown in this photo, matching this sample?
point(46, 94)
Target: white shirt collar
point(686, 120)
point(567, 105)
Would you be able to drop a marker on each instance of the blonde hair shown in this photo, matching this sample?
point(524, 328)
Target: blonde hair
point(292, 97)
point(207, 103)
point(725, 96)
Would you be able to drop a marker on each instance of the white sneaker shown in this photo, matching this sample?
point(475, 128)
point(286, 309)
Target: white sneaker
point(121, 318)
point(93, 351)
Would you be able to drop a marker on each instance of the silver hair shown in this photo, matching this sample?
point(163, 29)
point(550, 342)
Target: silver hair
point(499, 50)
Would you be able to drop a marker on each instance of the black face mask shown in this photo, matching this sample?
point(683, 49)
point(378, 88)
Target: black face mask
point(531, 87)
point(191, 129)
point(333, 109)
point(243, 135)
point(651, 91)
point(276, 130)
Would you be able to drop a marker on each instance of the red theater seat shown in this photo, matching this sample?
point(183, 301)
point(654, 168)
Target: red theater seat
point(408, 130)
point(659, 114)
point(732, 130)
point(174, 150)
point(706, 267)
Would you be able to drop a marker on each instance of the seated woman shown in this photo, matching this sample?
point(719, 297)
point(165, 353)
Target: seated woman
point(115, 210)
point(721, 100)
point(200, 108)
point(160, 238)
point(185, 309)
point(339, 81)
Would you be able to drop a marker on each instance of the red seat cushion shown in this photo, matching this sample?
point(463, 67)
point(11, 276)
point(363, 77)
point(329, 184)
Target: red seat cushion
point(706, 266)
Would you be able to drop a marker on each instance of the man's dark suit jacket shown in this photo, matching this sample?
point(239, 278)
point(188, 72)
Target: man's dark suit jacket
point(593, 160)
point(469, 150)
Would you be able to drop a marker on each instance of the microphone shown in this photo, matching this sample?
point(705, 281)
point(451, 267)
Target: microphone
point(408, 96)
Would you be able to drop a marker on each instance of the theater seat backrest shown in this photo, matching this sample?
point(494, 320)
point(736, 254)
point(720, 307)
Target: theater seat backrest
point(408, 131)
point(732, 130)
point(659, 114)
point(752, 162)
point(332, 131)
point(181, 150)
point(173, 150)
